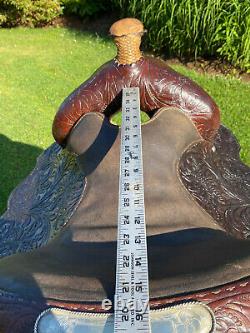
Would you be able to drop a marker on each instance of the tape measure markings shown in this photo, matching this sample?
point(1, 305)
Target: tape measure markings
point(132, 290)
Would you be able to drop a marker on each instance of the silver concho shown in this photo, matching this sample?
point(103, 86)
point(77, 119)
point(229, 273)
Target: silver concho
point(184, 318)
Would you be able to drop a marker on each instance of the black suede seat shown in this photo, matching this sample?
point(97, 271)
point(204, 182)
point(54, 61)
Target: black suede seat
point(188, 250)
point(179, 262)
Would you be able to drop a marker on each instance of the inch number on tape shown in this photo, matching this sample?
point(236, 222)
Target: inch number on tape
point(132, 288)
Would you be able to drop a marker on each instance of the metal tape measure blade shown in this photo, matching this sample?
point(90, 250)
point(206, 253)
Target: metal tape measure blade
point(132, 288)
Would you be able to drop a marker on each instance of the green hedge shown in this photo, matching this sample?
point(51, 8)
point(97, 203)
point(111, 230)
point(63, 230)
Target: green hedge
point(41, 12)
point(183, 28)
point(192, 28)
point(83, 8)
point(28, 12)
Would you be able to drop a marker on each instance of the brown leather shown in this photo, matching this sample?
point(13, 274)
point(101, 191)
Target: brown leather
point(127, 36)
point(126, 26)
point(191, 252)
point(159, 86)
point(79, 265)
point(230, 304)
point(219, 182)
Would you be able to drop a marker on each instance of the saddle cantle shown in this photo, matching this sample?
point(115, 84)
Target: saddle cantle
point(58, 236)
